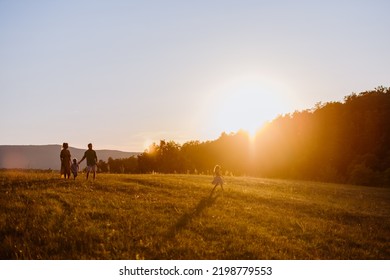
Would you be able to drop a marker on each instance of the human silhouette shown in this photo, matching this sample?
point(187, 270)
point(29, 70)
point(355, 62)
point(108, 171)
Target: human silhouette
point(74, 168)
point(91, 157)
point(218, 180)
point(65, 160)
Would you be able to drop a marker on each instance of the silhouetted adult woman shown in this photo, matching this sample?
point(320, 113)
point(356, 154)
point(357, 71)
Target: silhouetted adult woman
point(65, 160)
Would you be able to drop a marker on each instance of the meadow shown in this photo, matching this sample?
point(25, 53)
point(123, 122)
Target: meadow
point(158, 216)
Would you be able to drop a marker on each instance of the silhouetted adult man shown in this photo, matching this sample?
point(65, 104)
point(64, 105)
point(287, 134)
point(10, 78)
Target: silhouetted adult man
point(91, 157)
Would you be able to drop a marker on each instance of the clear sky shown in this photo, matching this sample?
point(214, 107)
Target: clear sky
point(123, 74)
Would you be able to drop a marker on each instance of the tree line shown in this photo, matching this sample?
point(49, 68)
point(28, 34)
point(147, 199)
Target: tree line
point(345, 142)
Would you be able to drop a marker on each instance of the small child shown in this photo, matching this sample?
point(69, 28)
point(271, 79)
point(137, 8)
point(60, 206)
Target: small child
point(74, 168)
point(218, 180)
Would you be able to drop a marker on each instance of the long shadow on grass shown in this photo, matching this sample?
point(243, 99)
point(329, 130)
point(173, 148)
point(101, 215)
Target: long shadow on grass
point(188, 217)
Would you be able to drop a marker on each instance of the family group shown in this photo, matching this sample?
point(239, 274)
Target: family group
point(68, 166)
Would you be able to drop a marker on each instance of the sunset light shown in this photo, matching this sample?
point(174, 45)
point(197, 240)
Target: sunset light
point(247, 103)
point(181, 139)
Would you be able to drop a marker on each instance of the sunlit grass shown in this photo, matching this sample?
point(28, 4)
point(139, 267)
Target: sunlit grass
point(174, 217)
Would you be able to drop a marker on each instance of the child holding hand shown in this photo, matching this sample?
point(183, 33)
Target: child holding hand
point(74, 168)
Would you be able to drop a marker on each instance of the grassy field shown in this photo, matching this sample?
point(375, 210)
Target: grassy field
point(174, 217)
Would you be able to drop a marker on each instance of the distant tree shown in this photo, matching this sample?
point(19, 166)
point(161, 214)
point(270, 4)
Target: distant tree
point(169, 158)
point(102, 166)
point(123, 165)
point(114, 166)
point(147, 161)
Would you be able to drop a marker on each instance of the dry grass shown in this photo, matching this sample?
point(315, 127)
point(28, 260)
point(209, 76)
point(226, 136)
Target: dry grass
point(174, 217)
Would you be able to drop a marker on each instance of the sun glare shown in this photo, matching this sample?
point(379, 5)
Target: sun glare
point(248, 104)
point(147, 144)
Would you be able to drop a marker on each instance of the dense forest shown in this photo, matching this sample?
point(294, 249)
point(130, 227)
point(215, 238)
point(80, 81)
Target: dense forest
point(345, 142)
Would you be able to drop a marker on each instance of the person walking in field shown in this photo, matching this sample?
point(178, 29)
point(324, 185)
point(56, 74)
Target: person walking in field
point(74, 168)
point(91, 157)
point(218, 180)
point(65, 160)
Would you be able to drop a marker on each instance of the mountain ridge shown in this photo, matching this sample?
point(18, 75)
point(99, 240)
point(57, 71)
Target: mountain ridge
point(48, 156)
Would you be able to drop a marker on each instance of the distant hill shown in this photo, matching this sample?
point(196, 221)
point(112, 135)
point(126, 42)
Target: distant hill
point(47, 156)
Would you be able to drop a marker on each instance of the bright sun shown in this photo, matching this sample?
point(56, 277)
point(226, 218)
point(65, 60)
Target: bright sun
point(247, 104)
